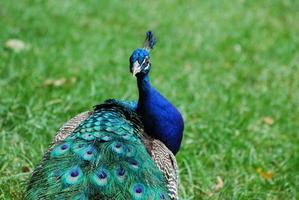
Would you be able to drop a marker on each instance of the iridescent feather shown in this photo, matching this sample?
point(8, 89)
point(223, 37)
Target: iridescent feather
point(103, 158)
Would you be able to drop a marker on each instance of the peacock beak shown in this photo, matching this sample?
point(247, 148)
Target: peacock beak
point(136, 68)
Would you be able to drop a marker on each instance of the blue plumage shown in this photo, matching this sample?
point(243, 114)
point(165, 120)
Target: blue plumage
point(139, 55)
point(160, 118)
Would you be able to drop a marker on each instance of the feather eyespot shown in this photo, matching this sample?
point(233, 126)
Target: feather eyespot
point(133, 163)
point(88, 153)
point(138, 190)
point(118, 147)
point(73, 176)
point(64, 146)
point(120, 171)
point(120, 174)
point(100, 177)
point(74, 173)
point(61, 149)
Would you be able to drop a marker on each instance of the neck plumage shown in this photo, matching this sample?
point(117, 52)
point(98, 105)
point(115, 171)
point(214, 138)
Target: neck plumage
point(160, 118)
point(144, 86)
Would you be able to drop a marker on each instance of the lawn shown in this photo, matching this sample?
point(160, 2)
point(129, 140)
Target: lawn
point(231, 67)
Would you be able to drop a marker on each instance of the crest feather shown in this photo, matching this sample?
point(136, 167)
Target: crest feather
point(150, 41)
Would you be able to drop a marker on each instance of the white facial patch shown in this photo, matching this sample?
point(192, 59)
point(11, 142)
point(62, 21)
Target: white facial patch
point(136, 68)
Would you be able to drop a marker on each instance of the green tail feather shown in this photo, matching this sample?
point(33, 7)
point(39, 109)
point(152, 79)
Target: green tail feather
point(103, 158)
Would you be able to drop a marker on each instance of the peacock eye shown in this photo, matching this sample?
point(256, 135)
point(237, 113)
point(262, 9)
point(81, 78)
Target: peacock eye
point(146, 62)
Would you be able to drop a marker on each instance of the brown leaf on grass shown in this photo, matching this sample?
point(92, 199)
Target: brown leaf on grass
point(219, 184)
point(189, 141)
point(54, 82)
point(73, 80)
point(54, 101)
point(268, 120)
point(25, 169)
point(15, 44)
point(187, 67)
point(216, 188)
point(59, 82)
point(265, 175)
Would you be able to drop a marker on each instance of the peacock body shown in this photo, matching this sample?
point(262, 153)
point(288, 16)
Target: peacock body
point(115, 151)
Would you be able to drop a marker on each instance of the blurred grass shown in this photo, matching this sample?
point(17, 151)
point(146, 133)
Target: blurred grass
point(225, 64)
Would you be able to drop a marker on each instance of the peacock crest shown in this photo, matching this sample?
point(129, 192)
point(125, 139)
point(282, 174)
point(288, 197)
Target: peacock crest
point(150, 41)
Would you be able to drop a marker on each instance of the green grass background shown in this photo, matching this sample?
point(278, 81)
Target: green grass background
point(225, 64)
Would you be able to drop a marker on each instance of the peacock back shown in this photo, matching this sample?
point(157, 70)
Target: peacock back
point(104, 157)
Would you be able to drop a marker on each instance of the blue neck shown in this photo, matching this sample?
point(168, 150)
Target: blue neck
point(160, 118)
point(144, 86)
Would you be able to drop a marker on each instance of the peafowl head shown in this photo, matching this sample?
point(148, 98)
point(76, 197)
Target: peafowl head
point(140, 59)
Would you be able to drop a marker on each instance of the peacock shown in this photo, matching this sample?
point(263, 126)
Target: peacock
point(120, 150)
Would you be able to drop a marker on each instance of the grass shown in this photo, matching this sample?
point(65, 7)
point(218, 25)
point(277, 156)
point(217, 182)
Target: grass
point(231, 67)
